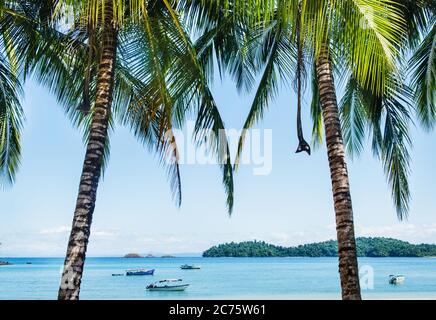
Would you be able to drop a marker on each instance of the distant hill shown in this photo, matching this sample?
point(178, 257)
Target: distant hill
point(366, 247)
point(133, 255)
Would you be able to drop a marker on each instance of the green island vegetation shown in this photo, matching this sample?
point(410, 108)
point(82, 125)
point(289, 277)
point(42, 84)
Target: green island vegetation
point(133, 256)
point(366, 247)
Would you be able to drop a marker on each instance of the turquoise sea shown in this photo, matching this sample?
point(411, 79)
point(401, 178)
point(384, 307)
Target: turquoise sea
point(222, 278)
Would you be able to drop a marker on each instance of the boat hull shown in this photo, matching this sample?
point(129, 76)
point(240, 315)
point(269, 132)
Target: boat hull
point(187, 267)
point(169, 288)
point(140, 273)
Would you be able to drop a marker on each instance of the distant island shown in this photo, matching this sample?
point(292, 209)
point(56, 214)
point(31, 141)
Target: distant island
point(133, 256)
point(5, 263)
point(366, 247)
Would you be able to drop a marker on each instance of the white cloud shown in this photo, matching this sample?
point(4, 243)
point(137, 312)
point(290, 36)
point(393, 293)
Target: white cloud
point(104, 233)
point(55, 230)
point(404, 231)
point(294, 238)
point(62, 230)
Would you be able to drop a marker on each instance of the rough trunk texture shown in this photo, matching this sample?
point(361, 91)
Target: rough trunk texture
point(348, 268)
point(80, 232)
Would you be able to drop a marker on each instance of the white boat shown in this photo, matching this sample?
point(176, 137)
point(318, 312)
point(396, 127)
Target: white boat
point(396, 279)
point(165, 285)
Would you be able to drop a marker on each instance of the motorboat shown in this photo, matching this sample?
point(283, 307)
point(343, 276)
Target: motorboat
point(140, 272)
point(396, 279)
point(168, 285)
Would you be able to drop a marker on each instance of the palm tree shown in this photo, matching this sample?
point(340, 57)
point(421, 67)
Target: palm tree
point(338, 169)
point(92, 167)
point(163, 97)
point(131, 61)
point(355, 38)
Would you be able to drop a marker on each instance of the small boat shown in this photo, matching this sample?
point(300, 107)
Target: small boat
point(140, 272)
point(396, 279)
point(190, 267)
point(164, 285)
point(117, 274)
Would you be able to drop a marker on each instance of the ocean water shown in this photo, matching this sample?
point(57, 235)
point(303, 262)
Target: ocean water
point(222, 278)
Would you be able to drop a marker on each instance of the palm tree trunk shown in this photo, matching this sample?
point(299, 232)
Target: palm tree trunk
point(80, 232)
point(348, 268)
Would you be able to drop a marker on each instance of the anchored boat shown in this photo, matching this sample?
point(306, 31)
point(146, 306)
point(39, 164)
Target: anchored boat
point(189, 267)
point(140, 272)
point(396, 279)
point(167, 285)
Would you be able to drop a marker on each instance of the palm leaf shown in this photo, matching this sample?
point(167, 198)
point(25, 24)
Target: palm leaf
point(11, 119)
point(423, 66)
point(278, 55)
point(353, 118)
point(316, 111)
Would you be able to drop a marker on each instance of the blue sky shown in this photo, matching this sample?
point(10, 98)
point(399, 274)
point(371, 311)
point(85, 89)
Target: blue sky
point(134, 213)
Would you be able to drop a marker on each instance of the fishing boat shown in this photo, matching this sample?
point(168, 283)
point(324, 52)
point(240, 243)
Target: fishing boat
point(140, 272)
point(189, 267)
point(166, 285)
point(396, 279)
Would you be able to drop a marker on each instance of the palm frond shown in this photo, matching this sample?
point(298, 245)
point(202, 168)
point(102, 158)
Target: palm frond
point(11, 119)
point(148, 105)
point(279, 56)
point(396, 142)
point(353, 118)
point(208, 116)
point(368, 33)
point(389, 118)
point(209, 121)
point(316, 112)
point(417, 15)
point(423, 68)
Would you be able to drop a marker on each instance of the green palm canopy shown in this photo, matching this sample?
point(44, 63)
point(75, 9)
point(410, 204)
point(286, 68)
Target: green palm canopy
point(278, 44)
